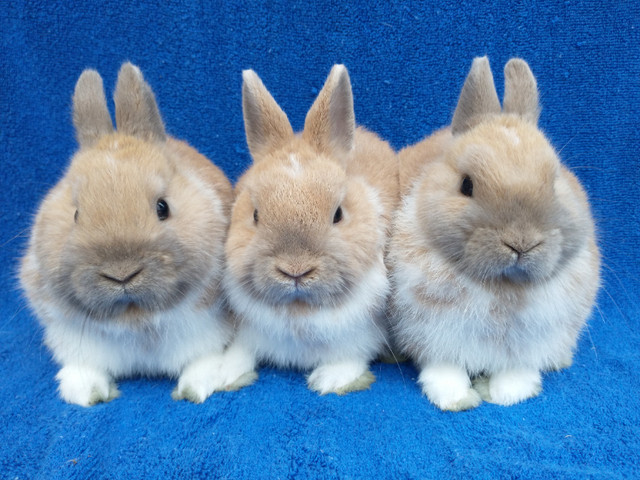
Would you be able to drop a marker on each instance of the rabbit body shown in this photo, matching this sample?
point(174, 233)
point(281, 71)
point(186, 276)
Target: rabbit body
point(126, 255)
point(306, 273)
point(494, 260)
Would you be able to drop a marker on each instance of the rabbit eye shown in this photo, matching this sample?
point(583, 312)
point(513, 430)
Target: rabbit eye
point(255, 215)
point(338, 215)
point(467, 186)
point(162, 209)
point(75, 216)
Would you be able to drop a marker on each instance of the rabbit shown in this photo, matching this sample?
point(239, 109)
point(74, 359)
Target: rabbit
point(125, 259)
point(493, 259)
point(306, 274)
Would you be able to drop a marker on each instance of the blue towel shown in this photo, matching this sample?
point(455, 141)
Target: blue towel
point(407, 62)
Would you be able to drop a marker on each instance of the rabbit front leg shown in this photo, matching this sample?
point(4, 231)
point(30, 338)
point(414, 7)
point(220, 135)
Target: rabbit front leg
point(509, 387)
point(341, 377)
point(448, 387)
point(227, 371)
point(85, 385)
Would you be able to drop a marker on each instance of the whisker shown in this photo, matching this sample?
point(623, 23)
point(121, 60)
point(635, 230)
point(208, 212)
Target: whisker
point(20, 234)
point(388, 345)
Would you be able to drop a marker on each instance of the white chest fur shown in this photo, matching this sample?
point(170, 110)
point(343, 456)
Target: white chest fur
point(350, 330)
point(163, 346)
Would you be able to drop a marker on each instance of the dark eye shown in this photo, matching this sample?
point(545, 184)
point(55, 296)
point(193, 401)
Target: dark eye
point(75, 216)
point(255, 215)
point(162, 209)
point(338, 215)
point(467, 186)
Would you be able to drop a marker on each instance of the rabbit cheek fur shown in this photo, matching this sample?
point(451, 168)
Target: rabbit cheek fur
point(305, 253)
point(495, 286)
point(119, 291)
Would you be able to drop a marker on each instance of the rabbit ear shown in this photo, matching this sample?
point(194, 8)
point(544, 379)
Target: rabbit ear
point(330, 123)
point(520, 91)
point(136, 109)
point(91, 117)
point(265, 124)
point(478, 98)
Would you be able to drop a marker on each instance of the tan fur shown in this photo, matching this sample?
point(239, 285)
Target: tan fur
point(478, 98)
point(203, 167)
point(330, 122)
point(126, 256)
point(264, 121)
point(501, 275)
point(293, 267)
point(413, 159)
point(292, 206)
point(113, 182)
point(269, 182)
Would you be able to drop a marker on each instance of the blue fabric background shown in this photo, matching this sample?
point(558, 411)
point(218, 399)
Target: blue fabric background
point(407, 62)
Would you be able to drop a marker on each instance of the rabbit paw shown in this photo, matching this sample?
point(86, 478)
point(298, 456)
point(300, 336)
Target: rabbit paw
point(448, 387)
point(85, 386)
point(219, 372)
point(510, 387)
point(340, 378)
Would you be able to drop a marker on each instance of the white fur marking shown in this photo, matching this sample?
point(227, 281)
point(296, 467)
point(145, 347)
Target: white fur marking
point(296, 167)
point(511, 135)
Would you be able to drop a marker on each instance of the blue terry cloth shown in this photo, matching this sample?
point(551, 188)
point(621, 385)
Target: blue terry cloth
point(407, 62)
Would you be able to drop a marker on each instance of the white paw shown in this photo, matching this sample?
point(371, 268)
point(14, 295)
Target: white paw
point(85, 385)
point(340, 378)
point(227, 371)
point(448, 387)
point(513, 386)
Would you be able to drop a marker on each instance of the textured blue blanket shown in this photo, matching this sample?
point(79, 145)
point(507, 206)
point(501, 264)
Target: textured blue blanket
point(407, 62)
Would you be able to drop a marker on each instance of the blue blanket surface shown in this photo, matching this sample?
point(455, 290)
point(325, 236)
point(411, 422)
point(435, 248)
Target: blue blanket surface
point(407, 62)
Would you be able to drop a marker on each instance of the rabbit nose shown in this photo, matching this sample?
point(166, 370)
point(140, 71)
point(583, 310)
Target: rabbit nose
point(294, 275)
point(521, 249)
point(121, 277)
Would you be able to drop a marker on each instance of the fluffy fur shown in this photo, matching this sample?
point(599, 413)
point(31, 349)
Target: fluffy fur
point(119, 290)
point(306, 271)
point(494, 263)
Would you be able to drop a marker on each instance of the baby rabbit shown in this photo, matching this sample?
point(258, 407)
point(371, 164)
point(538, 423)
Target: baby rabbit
point(494, 263)
point(126, 255)
point(306, 272)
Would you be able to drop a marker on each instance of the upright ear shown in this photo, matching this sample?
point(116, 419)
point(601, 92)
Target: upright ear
point(136, 109)
point(330, 123)
point(521, 91)
point(478, 98)
point(265, 124)
point(90, 114)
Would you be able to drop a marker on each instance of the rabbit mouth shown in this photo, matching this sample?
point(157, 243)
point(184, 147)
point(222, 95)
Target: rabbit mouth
point(123, 309)
point(517, 274)
point(297, 295)
point(128, 309)
point(123, 305)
